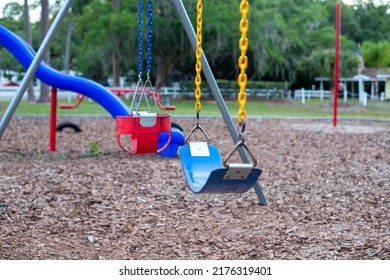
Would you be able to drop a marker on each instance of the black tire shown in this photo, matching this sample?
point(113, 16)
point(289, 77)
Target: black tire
point(63, 125)
point(173, 124)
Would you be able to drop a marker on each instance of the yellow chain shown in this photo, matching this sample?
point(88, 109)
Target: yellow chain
point(198, 65)
point(243, 61)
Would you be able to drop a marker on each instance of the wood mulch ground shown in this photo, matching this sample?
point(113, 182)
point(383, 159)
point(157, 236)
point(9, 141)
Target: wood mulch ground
point(328, 192)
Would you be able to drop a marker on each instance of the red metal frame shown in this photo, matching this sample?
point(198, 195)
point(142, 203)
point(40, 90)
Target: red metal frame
point(80, 98)
point(121, 92)
point(336, 65)
point(53, 119)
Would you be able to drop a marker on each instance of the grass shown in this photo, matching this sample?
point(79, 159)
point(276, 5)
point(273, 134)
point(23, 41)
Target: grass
point(266, 108)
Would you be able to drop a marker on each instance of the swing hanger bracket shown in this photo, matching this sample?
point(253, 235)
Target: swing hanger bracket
point(238, 171)
point(240, 143)
point(147, 119)
point(198, 127)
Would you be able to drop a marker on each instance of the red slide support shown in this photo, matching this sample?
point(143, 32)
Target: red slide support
point(336, 65)
point(53, 119)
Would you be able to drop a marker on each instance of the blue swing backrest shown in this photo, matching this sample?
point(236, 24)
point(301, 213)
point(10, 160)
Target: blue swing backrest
point(197, 169)
point(206, 174)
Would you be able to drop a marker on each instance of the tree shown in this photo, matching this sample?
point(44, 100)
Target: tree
point(44, 95)
point(373, 19)
point(288, 39)
point(116, 53)
point(27, 27)
point(106, 37)
point(376, 54)
point(170, 50)
point(13, 20)
point(278, 40)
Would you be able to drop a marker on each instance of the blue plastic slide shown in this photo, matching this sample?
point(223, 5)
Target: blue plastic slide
point(24, 53)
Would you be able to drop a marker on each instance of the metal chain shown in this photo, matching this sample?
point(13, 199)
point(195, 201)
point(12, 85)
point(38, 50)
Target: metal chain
point(140, 55)
point(243, 61)
point(148, 83)
point(242, 82)
point(198, 69)
point(149, 39)
point(198, 65)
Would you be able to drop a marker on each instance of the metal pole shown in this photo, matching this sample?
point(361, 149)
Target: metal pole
point(215, 90)
point(336, 65)
point(34, 66)
point(53, 119)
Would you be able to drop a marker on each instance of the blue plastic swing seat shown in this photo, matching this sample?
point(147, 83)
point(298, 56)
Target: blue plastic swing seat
point(206, 173)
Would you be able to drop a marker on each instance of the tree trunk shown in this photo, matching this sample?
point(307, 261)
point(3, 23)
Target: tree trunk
point(44, 95)
point(27, 28)
point(116, 70)
point(116, 54)
point(163, 71)
point(68, 43)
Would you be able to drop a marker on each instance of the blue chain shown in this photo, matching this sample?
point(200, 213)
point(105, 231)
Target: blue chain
point(147, 83)
point(140, 39)
point(149, 39)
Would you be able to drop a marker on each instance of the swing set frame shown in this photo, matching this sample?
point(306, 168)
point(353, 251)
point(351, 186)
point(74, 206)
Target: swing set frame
point(205, 67)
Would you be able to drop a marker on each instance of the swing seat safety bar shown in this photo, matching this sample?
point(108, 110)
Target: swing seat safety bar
point(205, 172)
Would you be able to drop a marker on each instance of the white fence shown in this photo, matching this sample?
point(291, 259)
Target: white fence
point(268, 93)
point(8, 93)
point(170, 92)
point(309, 93)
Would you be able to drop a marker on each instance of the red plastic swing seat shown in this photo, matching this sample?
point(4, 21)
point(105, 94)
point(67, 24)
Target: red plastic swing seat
point(144, 129)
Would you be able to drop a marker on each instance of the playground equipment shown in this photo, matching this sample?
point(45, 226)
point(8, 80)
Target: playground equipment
point(336, 64)
point(204, 170)
point(205, 67)
point(120, 92)
point(108, 99)
point(176, 130)
point(24, 53)
point(143, 127)
point(176, 141)
point(216, 93)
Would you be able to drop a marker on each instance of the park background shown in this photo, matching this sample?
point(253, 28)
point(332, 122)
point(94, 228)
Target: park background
point(327, 187)
point(291, 46)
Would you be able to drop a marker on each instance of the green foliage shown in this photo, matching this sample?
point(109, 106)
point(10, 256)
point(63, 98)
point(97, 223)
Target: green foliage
point(94, 150)
point(13, 10)
point(102, 29)
point(289, 40)
point(37, 156)
point(309, 65)
point(60, 156)
point(376, 54)
point(13, 19)
point(373, 20)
